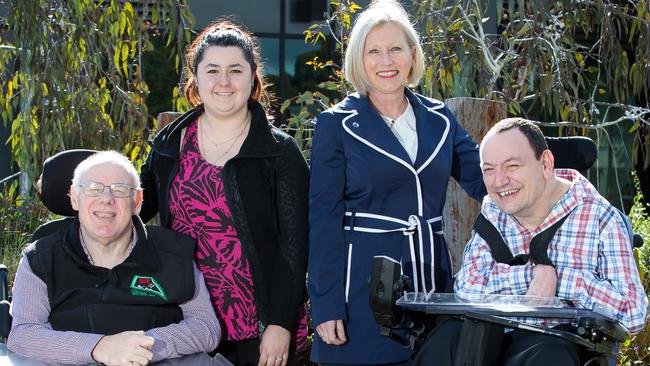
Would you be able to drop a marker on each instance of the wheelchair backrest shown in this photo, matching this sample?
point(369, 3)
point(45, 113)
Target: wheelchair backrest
point(55, 186)
point(580, 153)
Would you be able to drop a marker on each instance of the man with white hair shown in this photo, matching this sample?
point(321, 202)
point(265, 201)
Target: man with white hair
point(106, 288)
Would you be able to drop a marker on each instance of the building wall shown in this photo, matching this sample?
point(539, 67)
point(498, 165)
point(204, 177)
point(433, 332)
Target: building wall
point(279, 25)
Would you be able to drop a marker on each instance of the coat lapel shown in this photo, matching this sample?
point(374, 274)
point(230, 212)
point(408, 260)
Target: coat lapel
point(432, 127)
point(366, 125)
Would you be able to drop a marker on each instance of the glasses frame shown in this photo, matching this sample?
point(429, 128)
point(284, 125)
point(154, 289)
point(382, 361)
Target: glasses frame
point(111, 187)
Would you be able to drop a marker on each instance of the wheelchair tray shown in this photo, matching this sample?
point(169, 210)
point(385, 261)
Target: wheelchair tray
point(511, 306)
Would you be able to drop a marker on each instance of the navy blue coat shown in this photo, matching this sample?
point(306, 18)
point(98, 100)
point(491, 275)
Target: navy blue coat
point(367, 199)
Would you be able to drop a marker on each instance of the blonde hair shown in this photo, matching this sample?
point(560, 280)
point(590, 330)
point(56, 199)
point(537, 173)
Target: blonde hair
point(380, 12)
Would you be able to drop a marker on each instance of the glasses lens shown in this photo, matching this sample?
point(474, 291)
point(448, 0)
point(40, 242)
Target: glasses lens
point(121, 190)
point(93, 189)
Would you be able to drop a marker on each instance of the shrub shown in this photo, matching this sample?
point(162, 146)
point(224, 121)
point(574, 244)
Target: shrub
point(18, 219)
point(636, 350)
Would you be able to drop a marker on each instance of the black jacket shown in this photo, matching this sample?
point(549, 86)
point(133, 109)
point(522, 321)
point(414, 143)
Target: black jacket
point(266, 187)
point(143, 292)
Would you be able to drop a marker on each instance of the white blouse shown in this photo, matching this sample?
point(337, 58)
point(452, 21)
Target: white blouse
point(404, 129)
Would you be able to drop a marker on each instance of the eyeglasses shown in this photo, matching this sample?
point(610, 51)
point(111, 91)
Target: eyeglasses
point(118, 190)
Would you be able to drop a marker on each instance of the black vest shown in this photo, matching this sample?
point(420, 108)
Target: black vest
point(141, 293)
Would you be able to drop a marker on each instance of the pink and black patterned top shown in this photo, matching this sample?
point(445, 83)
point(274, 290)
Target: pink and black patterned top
point(198, 208)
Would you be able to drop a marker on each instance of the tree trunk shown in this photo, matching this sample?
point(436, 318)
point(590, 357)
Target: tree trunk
point(164, 118)
point(476, 116)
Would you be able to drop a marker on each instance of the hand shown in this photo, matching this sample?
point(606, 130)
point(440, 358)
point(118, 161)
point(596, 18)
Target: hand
point(332, 332)
point(544, 281)
point(126, 348)
point(274, 346)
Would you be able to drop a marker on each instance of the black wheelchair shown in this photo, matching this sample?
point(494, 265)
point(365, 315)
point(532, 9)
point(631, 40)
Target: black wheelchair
point(407, 317)
point(55, 182)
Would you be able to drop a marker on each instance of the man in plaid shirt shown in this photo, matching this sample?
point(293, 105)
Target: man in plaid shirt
point(591, 253)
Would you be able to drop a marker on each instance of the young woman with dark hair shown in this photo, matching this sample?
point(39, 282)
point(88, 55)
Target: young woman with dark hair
point(224, 175)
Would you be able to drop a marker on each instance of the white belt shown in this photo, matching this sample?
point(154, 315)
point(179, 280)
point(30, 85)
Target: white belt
point(381, 224)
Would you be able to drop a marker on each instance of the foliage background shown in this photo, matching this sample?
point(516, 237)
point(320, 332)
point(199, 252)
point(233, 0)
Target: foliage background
point(72, 75)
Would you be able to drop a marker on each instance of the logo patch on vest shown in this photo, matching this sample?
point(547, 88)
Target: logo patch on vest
point(147, 286)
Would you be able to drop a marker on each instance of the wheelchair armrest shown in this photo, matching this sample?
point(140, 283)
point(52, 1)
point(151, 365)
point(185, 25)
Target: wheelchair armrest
point(5, 318)
point(596, 329)
point(4, 283)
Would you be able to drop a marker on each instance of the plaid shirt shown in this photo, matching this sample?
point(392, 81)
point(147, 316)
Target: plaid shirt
point(591, 252)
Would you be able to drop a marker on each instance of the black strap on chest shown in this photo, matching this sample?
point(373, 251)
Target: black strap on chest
point(502, 254)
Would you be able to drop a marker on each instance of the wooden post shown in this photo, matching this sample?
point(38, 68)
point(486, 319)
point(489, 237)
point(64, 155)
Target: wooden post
point(476, 116)
point(165, 118)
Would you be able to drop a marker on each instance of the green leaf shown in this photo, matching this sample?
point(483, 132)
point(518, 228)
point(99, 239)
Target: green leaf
point(634, 76)
point(135, 152)
point(148, 46)
point(305, 97)
point(125, 57)
point(122, 23)
point(525, 29)
point(78, 9)
point(303, 115)
point(82, 48)
point(116, 58)
point(499, 11)
point(511, 10)
point(128, 9)
point(456, 26)
point(328, 85)
point(155, 14)
point(285, 105)
point(322, 97)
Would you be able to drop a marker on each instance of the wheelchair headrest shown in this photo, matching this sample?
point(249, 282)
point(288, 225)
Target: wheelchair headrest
point(574, 152)
point(57, 177)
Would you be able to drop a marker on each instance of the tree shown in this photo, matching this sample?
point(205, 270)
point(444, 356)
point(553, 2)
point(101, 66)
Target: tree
point(581, 64)
point(78, 78)
point(577, 66)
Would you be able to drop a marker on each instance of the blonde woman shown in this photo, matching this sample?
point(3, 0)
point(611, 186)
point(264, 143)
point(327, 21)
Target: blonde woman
point(380, 165)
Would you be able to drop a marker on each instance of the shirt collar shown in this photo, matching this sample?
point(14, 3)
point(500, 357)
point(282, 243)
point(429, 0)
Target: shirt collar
point(134, 239)
point(407, 118)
